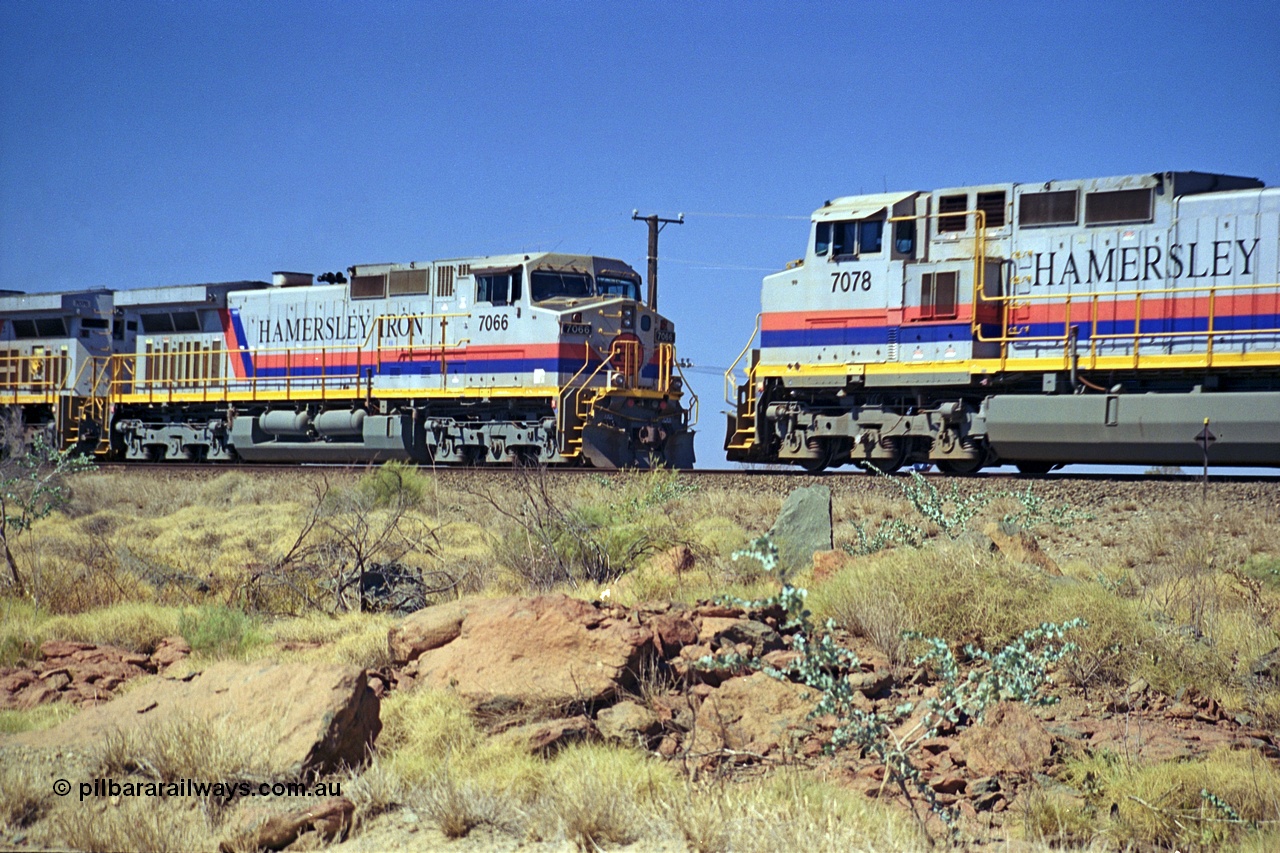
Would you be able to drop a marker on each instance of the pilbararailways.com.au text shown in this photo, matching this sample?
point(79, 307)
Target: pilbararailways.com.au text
point(194, 788)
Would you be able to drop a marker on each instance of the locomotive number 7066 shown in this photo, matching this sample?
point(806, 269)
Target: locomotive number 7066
point(847, 281)
point(493, 322)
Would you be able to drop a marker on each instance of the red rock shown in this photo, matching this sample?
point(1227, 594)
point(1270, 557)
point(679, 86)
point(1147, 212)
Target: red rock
point(695, 652)
point(62, 648)
point(713, 626)
point(718, 611)
point(933, 746)
point(627, 722)
point(952, 783)
point(329, 819)
point(427, 629)
point(671, 633)
point(752, 709)
point(56, 679)
point(781, 658)
point(169, 651)
point(315, 717)
point(1010, 740)
point(552, 649)
point(33, 695)
point(15, 680)
point(550, 736)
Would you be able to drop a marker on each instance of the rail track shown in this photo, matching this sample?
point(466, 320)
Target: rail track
point(790, 474)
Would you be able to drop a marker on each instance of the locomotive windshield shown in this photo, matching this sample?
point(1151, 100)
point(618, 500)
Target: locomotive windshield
point(548, 284)
point(625, 287)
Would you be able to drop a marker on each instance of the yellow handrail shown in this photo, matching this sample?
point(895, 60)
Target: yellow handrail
point(730, 385)
point(43, 375)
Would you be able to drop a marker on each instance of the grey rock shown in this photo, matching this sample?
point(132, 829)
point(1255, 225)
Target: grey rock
point(761, 637)
point(1267, 667)
point(803, 527)
point(870, 684)
point(984, 785)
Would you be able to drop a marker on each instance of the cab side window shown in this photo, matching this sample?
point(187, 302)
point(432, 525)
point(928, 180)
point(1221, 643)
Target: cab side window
point(870, 234)
point(849, 239)
point(499, 288)
point(822, 239)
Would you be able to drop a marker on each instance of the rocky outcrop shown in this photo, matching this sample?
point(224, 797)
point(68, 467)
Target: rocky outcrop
point(549, 650)
point(1010, 741)
point(548, 737)
point(82, 673)
point(312, 718)
point(755, 715)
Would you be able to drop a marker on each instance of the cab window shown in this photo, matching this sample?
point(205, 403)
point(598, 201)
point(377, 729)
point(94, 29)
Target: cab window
point(850, 238)
point(499, 288)
point(547, 284)
point(904, 237)
point(626, 288)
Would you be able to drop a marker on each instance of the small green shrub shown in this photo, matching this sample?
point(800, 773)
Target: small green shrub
point(218, 631)
point(394, 484)
point(1264, 568)
point(595, 538)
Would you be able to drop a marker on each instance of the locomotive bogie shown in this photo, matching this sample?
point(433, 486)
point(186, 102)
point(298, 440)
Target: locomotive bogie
point(1015, 308)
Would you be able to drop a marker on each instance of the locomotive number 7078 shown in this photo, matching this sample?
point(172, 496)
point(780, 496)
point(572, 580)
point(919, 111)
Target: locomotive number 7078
point(493, 322)
point(847, 281)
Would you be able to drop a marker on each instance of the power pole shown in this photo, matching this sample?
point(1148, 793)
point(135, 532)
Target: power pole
point(656, 224)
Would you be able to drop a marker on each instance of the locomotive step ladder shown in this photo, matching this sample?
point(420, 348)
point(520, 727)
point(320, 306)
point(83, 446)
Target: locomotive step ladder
point(82, 419)
point(579, 397)
point(744, 433)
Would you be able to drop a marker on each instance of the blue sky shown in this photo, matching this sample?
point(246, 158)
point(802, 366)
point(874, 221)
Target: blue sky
point(146, 143)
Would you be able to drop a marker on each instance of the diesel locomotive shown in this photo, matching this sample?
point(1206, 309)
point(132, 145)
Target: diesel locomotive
point(1123, 320)
point(524, 358)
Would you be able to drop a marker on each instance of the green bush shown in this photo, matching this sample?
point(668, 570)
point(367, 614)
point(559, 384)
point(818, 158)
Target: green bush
point(218, 631)
point(595, 537)
point(394, 484)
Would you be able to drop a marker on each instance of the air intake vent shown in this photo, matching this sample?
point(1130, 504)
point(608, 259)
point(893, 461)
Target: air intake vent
point(444, 281)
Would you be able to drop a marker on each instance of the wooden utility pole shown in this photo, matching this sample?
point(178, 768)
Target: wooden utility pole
point(656, 224)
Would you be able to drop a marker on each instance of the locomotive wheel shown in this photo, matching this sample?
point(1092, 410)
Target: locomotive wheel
point(528, 457)
point(819, 463)
point(1034, 467)
point(889, 464)
point(959, 467)
point(885, 466)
